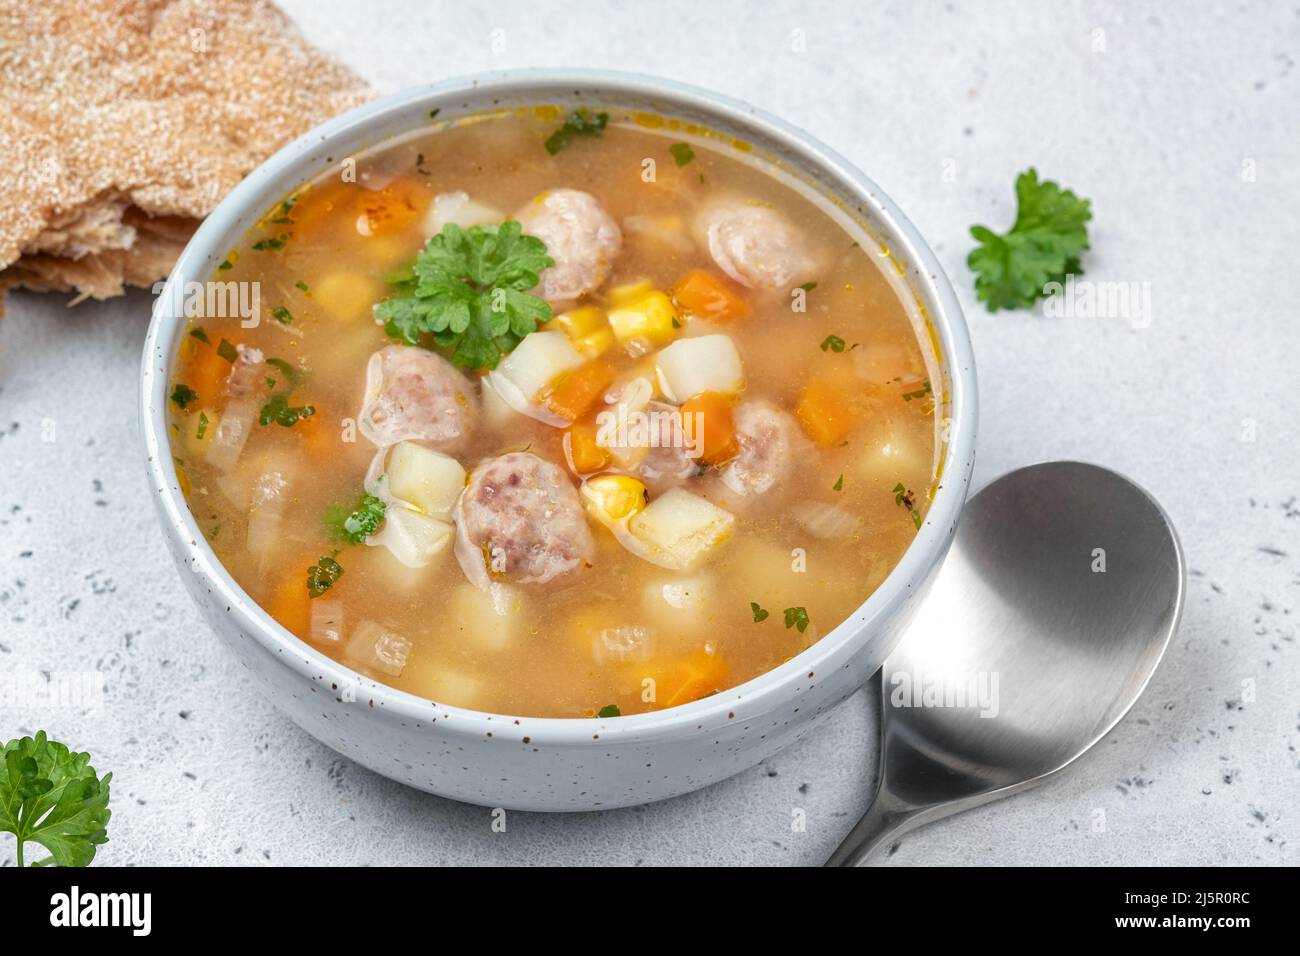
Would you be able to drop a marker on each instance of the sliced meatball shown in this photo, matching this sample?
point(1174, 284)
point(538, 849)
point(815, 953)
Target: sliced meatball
point(756, 245)
point(413, 394)
point(246, 371)
point(669, 460)
point(580, 236)
point(768, 440)
point(519, 518)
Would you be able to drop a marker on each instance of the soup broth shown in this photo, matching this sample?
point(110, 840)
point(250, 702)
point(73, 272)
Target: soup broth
point(718, 441)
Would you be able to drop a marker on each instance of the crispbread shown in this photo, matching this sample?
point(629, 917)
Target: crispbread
point(123, 124)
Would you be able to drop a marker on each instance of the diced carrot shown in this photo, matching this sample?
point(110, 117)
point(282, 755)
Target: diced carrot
point(827, 411)
point(317, 205)
point(576, 392)
point(709, 296)
point(707, 422)
point(289, 603)
point(206, 373)
point(581, 452)
point(689, 678)
point(320, 437)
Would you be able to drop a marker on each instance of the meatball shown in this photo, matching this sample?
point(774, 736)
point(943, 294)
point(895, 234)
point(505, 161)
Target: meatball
point(519, 518)
point(580, 236)
point(768, 441)
point(413, 394)
point(756, 245)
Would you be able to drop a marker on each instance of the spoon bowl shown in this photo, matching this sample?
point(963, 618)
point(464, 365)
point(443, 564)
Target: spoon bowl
point(1046, 621)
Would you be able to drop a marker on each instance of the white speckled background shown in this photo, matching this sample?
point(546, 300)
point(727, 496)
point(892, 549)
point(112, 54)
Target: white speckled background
point(1183, 129)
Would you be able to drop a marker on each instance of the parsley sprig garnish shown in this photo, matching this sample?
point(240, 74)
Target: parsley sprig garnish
point(581, 122)
point(468, 289)
point(357, 524)
point(52, 796)
point(1044, 245)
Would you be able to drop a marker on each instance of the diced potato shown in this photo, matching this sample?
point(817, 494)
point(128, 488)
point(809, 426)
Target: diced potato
point(457, 207)
point(497, 412)
point(613, 499)
point(894, 453)
point(426, 478)
point(679, 528)
point(413, 538)
point(537, 361)
point(680, 606)
point(489, 617)
point(708, 363)
point(347, 295)
point(378, 649)
point(649, 315)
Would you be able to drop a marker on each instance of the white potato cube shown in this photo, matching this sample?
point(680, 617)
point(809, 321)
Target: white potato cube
point(707, 363)
point(457, 207)
point(426, 478)
point(413, 538)
point(680, 606)
point(488, 617)
point(538, 360)
point(679, 528)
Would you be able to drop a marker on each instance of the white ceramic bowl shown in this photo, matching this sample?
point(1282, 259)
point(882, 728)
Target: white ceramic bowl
point(553, 764)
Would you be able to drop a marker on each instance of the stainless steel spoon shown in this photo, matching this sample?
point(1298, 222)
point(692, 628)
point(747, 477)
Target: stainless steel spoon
point(1062, 589)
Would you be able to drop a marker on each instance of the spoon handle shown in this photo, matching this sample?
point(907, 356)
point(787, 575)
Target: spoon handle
point(884, 818)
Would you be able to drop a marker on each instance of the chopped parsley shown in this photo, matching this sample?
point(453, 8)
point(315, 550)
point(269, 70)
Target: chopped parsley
point(272, 243)
point(291, 374)
point(225, 264)
point(198, 333)
point(282, 315)
point(581, 122)
point(359, 523)
point(279, 410)
point(760, 614)
point(609, 710)
point(808, 286)
point(832, 343)
point(183, 396)
point(433, 114)
point(301, 286)
point(323, 575)
point(796, 617)
point(1043, 245)
point(227, 351)
point(468, 289)
point(921, 392)
point(281, 217)
point(682, 152)
point(203, 426)
point(839, 484)
point(907, 499)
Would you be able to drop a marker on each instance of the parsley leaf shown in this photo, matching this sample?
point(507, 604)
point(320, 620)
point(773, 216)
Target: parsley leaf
point(760, 614)
point(359, 523)
point(682, 153)
point(581, 122)
point(832, 343)
point(323, 575)
point(1044, 245)
point(609, 710)
point(183, 396)
point(52, 796)
point(279, 410)
point(468, 289)
point(796, 617)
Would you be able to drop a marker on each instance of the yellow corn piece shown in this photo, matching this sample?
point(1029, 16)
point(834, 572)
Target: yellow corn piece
point(586, 328)
point(650, 315)
point(612, 499)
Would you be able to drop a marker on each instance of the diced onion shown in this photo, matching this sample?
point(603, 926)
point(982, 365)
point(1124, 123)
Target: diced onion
point(826, 521)
point(326, 621)
point(706, 363)
point(233, 429)
point(456, 207)
point(378, 649)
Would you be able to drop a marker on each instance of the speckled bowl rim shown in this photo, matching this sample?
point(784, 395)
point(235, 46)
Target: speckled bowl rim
point(221, 230)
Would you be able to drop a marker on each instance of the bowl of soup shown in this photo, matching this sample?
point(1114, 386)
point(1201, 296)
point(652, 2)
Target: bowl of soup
point(558, 440)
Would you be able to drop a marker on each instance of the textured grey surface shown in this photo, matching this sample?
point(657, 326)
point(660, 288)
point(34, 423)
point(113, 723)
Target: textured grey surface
point(1178, 121)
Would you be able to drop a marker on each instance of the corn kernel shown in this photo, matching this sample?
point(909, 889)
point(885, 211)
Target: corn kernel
point(612, 499)
point(650, 316)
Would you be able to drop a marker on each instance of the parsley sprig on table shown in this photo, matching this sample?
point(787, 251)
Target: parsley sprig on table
point(1044, 245)
point(468, 289)
point(52, 796)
